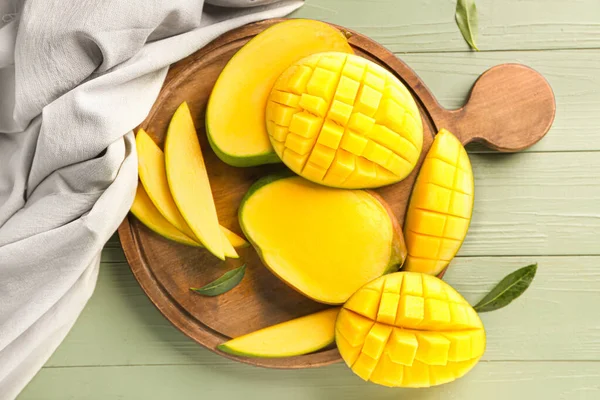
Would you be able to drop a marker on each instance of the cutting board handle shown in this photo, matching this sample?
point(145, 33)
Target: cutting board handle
point(510, 108)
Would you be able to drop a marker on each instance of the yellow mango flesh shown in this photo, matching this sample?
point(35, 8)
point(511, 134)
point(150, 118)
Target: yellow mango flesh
point(343, 121)
point(148, 214)
point(440, 206)
point(189, 184)
point(153, 175)
point(324, 242)
point(291, 338)
point(408, 329)
point(235, 117)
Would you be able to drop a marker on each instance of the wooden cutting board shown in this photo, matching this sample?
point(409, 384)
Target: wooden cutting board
point(510, 108)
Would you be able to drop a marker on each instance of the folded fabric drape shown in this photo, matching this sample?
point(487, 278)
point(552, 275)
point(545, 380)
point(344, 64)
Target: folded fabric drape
point(76, 76)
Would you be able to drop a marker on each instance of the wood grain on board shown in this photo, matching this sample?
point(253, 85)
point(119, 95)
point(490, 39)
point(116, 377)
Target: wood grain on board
point(510, 108)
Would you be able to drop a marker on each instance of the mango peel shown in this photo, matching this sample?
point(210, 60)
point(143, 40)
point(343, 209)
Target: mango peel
point(343, 121)
point(409, 329)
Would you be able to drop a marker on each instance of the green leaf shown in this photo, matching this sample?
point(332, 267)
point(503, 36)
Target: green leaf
point(467, 21)
point(509, 288)
point(225, 283)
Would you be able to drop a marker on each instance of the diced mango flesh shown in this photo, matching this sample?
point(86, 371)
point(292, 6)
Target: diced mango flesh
point(440, 207)
point(434, 337)
point(361, 117)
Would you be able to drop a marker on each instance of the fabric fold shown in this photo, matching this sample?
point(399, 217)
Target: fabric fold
point(83, 75)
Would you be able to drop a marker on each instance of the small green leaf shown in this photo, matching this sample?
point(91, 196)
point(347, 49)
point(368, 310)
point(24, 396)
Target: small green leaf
point(225, 283)
point(509, 288)
point(467, 21)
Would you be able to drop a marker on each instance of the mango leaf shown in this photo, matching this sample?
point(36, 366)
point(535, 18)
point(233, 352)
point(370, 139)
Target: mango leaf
point(509, 288)
point(467, 21)
point(225, 283)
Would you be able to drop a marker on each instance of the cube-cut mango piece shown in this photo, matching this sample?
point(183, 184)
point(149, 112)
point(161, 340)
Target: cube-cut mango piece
point(409, 329)
point(440, 206)
point(348, 103)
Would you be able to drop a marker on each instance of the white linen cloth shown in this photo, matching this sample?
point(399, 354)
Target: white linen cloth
point(76, 76)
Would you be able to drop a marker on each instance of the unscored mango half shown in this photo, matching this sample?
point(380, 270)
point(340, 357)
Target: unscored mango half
point(325, 243)
point(341, 120)
point(440, 208)
point(409, 329)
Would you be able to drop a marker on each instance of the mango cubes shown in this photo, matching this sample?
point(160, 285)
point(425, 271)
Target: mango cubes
point(440, 206)
point(343, 121)
point(408, 329)
point(326, 243)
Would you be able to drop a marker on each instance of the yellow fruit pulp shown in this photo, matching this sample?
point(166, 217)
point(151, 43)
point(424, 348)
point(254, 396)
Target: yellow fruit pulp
point(440, 206)
point(153, 175)
point(291, 338)
point(324, 242)
point(235, 116)
point(409, 329)
point(189, 184)
point(148, 214)
point(344, 121)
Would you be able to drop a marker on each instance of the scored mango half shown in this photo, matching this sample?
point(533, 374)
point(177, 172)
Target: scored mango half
point(409, 329)
point(343, 121)
point(440, 206)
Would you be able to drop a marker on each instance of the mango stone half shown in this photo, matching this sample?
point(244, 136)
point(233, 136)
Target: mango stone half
point(343, 121)
point(326, 243)
point(409, 329)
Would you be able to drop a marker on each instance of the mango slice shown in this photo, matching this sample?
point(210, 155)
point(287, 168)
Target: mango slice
point(189, 184)
point(148, 214)
point(326, 243)
point(343, 121)
point(291, 338)
point(235, 117)
point(440, 206)
point(153, 175)
point(408, 329)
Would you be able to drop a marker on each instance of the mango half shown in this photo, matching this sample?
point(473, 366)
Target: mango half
point(440, 206)
point(343, 121)
point(409, 329)
point(235, 115)
point(326, 243)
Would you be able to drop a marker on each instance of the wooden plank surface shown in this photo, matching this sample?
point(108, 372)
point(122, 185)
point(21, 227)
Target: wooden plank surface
point(542, 206)
point(428, 25)
point(489, 381)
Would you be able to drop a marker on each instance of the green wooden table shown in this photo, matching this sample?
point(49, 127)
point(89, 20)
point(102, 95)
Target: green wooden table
point(542, 205)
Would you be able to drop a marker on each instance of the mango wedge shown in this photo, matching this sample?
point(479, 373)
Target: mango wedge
point(148, 214)
point(343, 121)
point(440, 206)
point(323, 242)
point(235, 115)
point(153, 175)
point(189, 184)
point(291, 338)
point(408, 329)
